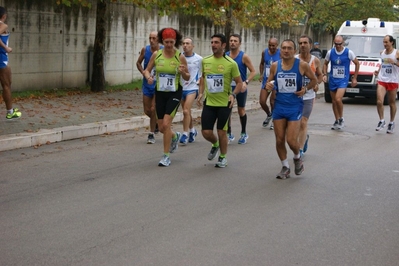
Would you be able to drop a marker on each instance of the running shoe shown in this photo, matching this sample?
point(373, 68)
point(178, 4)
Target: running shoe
point(222, 162)
point(335, 125)
point(284, 173)
point(341, 123)
point(267, 120)
point(192, 135)
point(298, 166)
point(243, 138)
point(271, 125)
point(231, 137)
point(305, 146)
point(184, 139)
point(150, 139)
point(212, 154)
point(14, 115)
point(381, 125)
point(390, 128)
point(165, 161)
point(175, 143)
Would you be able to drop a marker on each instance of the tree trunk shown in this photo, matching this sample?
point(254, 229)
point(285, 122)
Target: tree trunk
point(228, 27)
point(98, 78)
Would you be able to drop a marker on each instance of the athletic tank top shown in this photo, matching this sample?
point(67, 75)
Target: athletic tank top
point(389, 73)
point(168, 77)
point(3, 54)
point(310, 94)
point(268, 61)
point(339, 65)
point(287, 83)
point(241, 66)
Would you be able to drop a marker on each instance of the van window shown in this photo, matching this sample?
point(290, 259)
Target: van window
point(364, 46)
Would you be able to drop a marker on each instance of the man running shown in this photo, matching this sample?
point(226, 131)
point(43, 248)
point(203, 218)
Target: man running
point(218, 71)
point(149, 90)
point(340, 58)
point(288, 105)
point(388, 78)
point(243, 61)
point(269, 55)
point(190, 90)
point(305, 44)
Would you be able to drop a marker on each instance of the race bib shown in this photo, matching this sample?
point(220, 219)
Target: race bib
point(267, 71)
point(339, 72)
point(167, 82)
point(387, 69)
point(286, 82)
point(215, 83)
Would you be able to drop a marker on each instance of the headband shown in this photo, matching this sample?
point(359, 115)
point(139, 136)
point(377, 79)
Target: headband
point(169, 33)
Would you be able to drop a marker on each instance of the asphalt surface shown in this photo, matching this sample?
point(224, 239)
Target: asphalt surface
point(53, 119)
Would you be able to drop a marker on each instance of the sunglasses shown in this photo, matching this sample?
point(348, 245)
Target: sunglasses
point(336, 43)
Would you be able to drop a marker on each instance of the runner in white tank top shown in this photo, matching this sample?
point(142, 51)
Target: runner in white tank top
point(388, 78)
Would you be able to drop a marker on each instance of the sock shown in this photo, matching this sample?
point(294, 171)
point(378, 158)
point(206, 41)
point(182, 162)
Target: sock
point(222, 155)
point(285, 163)
point(297, 156)
point(10, 111)
point(166, 153)
point(174, 136)
point(185, 133)
point(216, 144)
point(192, 130)
point(243, 120)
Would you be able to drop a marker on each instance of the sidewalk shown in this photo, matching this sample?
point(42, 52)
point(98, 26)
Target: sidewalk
point(49, 120)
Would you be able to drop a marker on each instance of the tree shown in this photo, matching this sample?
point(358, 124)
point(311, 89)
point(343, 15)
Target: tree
point(324, 12)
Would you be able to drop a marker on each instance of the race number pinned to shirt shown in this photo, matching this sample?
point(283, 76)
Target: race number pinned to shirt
point(387, 69)
point(167, 82)
point(215, 83)
point(286, 82)
point(338, 72)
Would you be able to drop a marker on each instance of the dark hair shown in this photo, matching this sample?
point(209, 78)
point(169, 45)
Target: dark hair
point(391, 39)
point(220, 36)
point(237, 36)
point(309, 39)
point(179, 37)
point(3, 11)
point(290, 40)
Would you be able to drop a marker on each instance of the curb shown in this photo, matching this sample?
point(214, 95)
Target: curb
point(48, 136)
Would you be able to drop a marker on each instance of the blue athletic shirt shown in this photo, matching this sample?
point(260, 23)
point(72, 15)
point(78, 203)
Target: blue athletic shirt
point(241, 66)
point(3, 53)
point(268, 61)
point(147, 57)
point(340, 65)
point(287, 83)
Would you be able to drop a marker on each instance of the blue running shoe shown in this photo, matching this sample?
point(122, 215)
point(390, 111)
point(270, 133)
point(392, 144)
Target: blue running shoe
point(231, 137)
point(191, 136)
point(184, 139)
point(243, 139)
point(305, 146)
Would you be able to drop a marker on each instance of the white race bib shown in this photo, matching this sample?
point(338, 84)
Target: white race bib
point(387, 69)
point(339, 72)
point(286, 82)
point(167, 82)
point(215, 83)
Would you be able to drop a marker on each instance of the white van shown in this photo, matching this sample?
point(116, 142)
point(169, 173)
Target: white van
point(365, 38)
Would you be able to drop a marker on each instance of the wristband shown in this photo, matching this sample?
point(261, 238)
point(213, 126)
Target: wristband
point(233, 94)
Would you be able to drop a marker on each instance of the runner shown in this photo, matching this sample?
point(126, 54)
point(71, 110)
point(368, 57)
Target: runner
point(340, 58)
point(243, 61)
point(149, 90)
point(287, 75)
point(309, 97)
point(190, 90)
point(170, 66)
point(218, 71)
point(388, 80)
point(269, 55)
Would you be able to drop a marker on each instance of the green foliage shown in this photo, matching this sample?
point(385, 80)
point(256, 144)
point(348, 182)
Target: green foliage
point(84, 3)
point(331, 13)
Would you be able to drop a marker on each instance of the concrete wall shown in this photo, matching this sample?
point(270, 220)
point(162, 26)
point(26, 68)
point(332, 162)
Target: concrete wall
point(51, 43)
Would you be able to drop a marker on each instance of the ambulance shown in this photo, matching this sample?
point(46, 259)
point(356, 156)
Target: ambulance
point(365, 38)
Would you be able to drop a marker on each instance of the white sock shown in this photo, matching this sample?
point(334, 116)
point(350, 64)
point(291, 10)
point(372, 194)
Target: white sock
point(10, 111)
point(192, 130)
point(185, 133)
point(285, 163)
point(297, 156)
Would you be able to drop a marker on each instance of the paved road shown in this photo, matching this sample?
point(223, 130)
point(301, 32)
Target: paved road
point(104, 201)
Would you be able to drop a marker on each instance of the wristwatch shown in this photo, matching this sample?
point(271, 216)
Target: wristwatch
point(247, 81)
point(234, 95)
